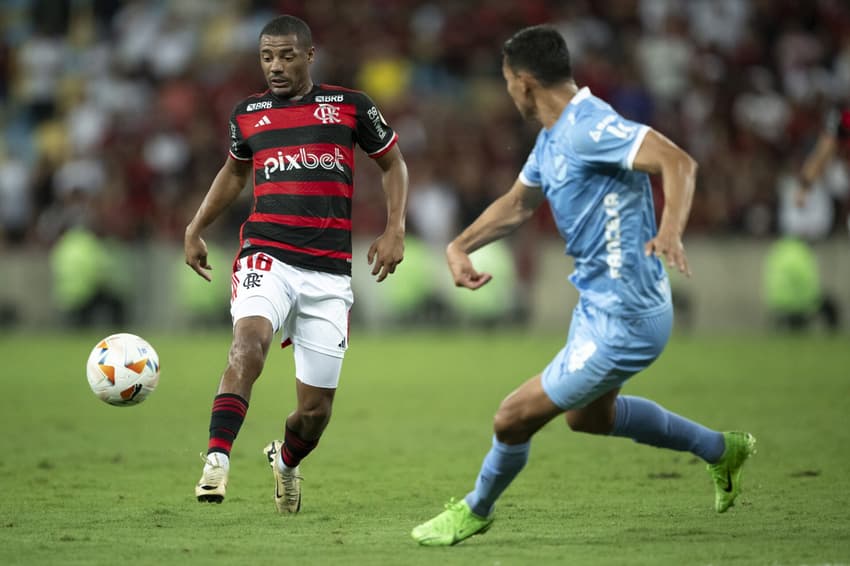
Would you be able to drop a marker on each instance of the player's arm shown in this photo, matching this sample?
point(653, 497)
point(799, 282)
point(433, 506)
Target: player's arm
point(498, 220)
point(815, 163)
point(678, 170)
point(226, 186)
point(834, 129)
point(387, 251)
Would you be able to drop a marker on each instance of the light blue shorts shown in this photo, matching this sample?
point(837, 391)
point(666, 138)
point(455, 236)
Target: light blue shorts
point(602, 352)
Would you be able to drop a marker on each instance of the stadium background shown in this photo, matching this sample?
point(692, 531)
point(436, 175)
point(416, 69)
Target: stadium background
point(112, 125)
point(114, 120)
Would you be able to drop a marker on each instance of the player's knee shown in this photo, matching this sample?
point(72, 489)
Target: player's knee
point(501, 423)
point(247, 358)
point(509, 425)
point(317, 413)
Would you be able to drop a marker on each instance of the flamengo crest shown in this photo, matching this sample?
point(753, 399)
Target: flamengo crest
point(327, 114)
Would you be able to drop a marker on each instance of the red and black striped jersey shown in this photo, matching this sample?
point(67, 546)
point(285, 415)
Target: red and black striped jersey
point(302, 153)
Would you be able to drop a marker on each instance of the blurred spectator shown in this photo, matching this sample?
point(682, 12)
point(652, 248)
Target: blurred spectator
point(128, 98)
point(432, 206)
point(87, 287)
point(792, 289)
point(821, 178)
point(15, 200)
point(665, 58)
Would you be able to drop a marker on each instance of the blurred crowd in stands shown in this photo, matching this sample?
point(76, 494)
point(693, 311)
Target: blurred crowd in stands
point(114, 113)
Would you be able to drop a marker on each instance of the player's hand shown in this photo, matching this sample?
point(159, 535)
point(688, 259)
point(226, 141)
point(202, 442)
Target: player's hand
point(463, 273)
point(385, 253)
point(196, 255)
point(669, 245)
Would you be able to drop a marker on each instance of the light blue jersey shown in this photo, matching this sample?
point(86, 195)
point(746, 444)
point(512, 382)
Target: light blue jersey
point(623, 320)
point(602, 208)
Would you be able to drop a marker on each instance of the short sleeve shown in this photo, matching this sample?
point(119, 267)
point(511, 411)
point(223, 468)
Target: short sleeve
point(238, 148)
point(530, 173)
point(606, 138)
point(374, 135)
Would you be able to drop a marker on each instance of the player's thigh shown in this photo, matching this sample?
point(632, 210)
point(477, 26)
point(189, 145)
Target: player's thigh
point(646, 339)
point(316, 370)
point(322, 314)
point(584, 368)
point(259, 288)
point(602, 352)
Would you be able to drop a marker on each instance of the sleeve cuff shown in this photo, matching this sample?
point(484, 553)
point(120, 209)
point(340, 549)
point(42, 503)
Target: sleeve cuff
point(630, 158)
point(237, 158)
point(526, 181)
point(386, 148)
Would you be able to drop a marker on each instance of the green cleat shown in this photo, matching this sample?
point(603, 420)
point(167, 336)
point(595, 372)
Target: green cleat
point(726, 472)
point(453, 525)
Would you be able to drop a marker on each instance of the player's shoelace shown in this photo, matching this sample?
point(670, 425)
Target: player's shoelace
point(213, 472)
point(289, 487)
point(448, 521)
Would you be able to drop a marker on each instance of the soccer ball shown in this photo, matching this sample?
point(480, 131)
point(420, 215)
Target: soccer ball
point(123, 369)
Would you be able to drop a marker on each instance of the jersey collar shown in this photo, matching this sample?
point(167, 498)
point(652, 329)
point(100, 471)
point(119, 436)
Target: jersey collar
point(583, 93)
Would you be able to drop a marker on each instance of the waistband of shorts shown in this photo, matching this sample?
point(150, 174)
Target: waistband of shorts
point(647, 313)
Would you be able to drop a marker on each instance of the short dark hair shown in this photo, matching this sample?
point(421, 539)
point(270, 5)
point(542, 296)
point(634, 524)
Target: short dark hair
point(541, 51)
point(289, 25)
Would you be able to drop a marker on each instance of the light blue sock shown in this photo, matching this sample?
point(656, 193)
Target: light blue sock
point(647, 422)
point(501, 465)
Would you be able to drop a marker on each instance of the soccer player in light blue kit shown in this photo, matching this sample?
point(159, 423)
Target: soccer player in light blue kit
point(592, 166)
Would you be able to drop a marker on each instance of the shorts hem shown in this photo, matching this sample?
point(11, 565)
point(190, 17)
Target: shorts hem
point(323, 386)
point(335, 352)
point(547, 390)
point(246, 312)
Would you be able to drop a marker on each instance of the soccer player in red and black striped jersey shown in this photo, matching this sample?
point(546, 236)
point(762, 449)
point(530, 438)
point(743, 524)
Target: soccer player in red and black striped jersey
point(295, 144)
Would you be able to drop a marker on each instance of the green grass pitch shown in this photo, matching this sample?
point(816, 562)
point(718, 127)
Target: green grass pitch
point(86, 483)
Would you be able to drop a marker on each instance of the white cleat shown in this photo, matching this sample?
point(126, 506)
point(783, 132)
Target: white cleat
point(213, 482)
point(287, 485)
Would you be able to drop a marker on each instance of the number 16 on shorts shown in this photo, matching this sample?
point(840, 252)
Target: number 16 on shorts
point(257, 265)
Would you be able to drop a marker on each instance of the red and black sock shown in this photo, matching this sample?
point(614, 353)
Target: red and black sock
point(295, 448)
point(228, 413)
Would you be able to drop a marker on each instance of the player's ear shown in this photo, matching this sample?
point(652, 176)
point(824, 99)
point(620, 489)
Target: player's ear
point(311, 52)
point(526, 81)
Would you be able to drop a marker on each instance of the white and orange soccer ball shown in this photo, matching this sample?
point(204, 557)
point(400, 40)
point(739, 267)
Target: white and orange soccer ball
point(123, 369)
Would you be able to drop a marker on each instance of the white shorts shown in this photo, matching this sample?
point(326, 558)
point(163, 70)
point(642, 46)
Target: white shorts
point(311, 309)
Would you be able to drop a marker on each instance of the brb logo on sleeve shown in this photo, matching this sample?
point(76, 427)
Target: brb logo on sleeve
point(378, 122)
point(303, 159)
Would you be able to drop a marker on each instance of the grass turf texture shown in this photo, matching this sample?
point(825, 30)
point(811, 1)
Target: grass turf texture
point(86, 483)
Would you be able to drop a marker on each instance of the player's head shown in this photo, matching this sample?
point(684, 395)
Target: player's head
point(534, 57)
point(286, 52)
